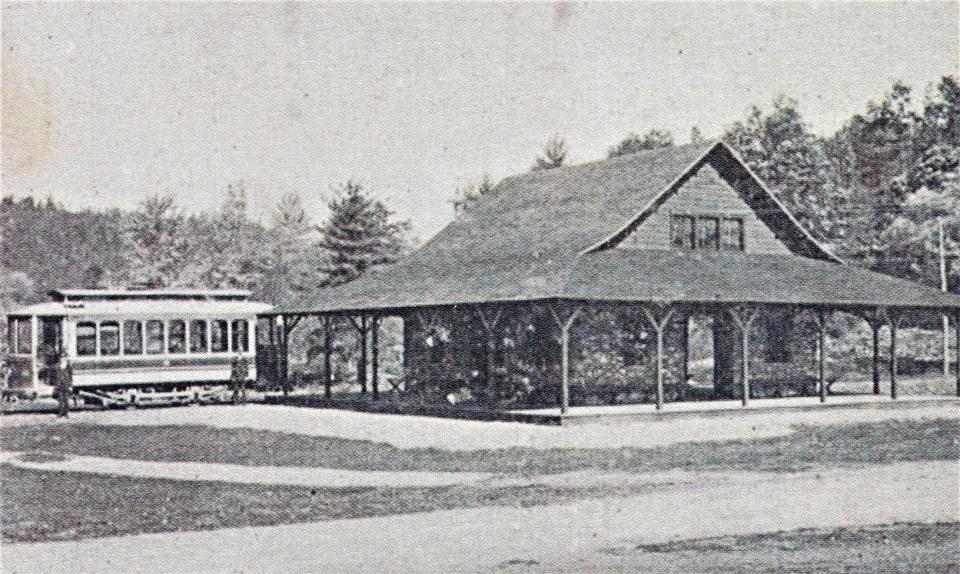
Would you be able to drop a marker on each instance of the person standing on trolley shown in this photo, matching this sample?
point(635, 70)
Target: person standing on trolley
point(239, 369)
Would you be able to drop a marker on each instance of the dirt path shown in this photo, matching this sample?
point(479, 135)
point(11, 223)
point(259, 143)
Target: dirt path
point(447, 434)
point(554, 536)
point(286, 475)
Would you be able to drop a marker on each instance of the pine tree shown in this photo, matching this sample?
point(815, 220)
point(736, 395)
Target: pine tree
point(553, 155)
point(633, 143)
point(467, 196)
point(696, 136)
point(359, 234)
point(232, 244)
point(295, 262)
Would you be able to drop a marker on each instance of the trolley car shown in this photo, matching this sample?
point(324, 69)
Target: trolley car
point(134, 346)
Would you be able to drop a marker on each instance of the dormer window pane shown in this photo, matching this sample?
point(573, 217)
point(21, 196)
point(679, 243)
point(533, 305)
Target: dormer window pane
point(732, 234)
point(682, 231)
point(708, 233)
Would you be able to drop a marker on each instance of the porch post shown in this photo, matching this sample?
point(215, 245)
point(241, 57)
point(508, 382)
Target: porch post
point(956, 325)
point(744, 316)
point(565, 323)
point(362, 361)
point(489, 323)
point(822, 354)
point(272, 332)
point(876, 356)
point(894, 322)
point(289, 323)
point(659, 321)
point(375, 356)
point(327, 343)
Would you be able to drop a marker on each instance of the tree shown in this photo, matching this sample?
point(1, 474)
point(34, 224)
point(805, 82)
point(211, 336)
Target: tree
point(633, 143)
point(553, 155)
point(16, 289)
point(470, 194)
point(234, 248)
point(161, 248)
point(869, 154)
point(359, 234)
point(792, 161)
point(696, 136)
point(295, 262)
point(930, 186)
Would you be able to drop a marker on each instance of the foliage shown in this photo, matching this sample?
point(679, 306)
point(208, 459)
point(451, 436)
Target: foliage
point(359, 234)
point(466, 196)
point(161, 247)
point(779, 147)
point(633, 143)
point(553, 155)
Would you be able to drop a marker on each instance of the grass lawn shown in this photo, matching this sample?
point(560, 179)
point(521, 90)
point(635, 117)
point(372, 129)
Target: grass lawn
point(44, 505)
point(40, 506)
point(882, 549)
point(878, 442)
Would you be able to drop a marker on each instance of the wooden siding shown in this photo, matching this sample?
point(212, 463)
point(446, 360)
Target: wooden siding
point(707, 194)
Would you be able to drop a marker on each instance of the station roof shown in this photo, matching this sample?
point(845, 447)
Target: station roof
point(552, 235)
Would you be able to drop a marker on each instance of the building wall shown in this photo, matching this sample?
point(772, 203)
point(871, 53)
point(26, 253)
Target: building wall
point(613, 357)
point(799, 368)
point(705, 193)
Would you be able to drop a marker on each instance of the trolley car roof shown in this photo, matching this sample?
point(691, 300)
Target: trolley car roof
point(116, 294)
point(148, 309)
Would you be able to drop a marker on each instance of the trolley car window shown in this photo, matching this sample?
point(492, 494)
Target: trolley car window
point(86, 339)
point(109, 338)
point(132, 337)
point(218, 336)
point(24, 336)
point(12, 334)
point(198, 336)
point(177, 342)
point(154, 337)
point(240, 339)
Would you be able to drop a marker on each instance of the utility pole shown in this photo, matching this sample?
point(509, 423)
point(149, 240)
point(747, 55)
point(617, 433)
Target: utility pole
point(943, 286)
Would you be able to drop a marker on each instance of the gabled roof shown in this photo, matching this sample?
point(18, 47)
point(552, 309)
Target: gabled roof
point(535, 235)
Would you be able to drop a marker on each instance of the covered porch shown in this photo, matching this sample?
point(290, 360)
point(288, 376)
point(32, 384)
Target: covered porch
point(621, 338)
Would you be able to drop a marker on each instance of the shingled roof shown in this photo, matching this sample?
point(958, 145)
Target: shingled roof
point(546, 235)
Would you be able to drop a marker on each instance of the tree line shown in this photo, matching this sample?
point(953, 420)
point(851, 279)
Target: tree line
point(158, 245)
point(879, 191)
point(883, 191)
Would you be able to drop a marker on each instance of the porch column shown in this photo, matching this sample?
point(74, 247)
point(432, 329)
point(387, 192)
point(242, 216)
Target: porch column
point(489, 318)
point(821, 319)
point(744, 316)
point(893, 320)
point(956, 325)
point(875, 327)
point(327, 344)
point(289, 323)
point(875, 318)
point(362, 328)
point(272, 334)
point(564, 318)
point(375, 356)
point(659, 317)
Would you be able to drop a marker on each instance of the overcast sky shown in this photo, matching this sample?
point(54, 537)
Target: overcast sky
point(105, 104)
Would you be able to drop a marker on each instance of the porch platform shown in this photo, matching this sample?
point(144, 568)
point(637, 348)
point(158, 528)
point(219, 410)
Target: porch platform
point(617, 413)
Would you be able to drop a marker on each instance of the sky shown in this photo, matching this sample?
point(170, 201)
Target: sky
point(105, 104)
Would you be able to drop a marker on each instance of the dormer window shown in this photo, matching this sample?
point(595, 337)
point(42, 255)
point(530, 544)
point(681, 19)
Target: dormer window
point(706, 232)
